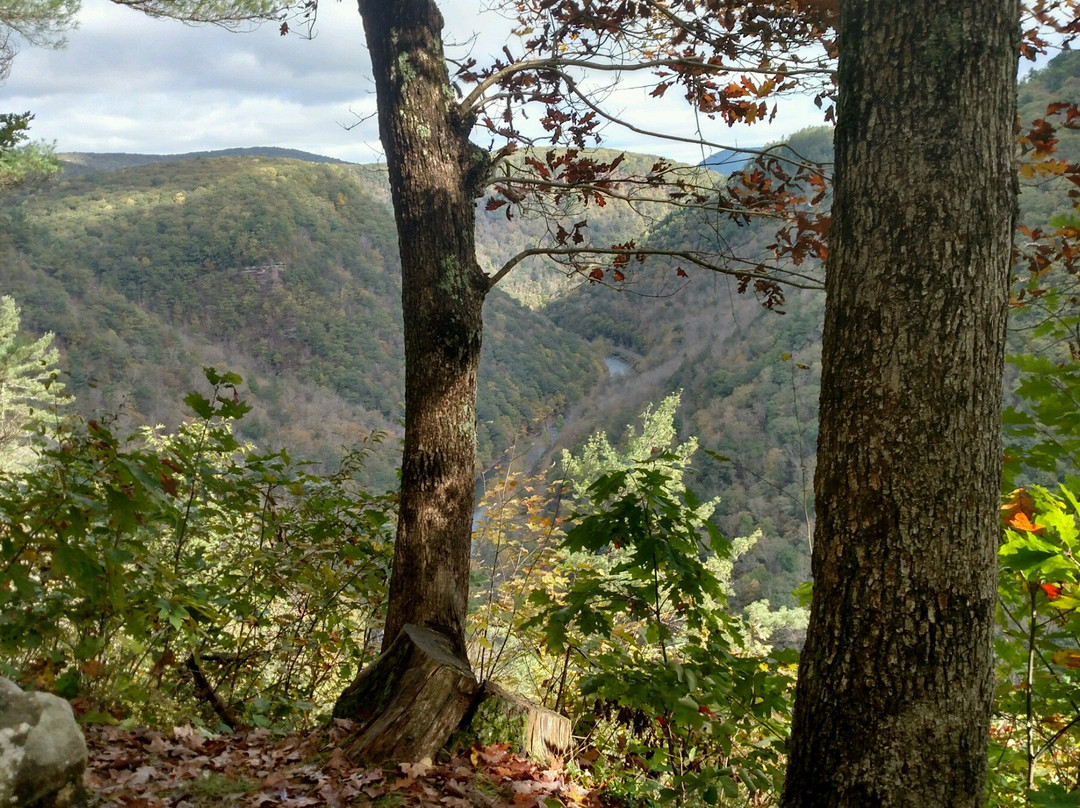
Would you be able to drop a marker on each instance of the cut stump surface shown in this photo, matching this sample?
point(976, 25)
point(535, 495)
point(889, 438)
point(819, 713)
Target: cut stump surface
point(408, 701)
point(411, 700)
point(531, 730)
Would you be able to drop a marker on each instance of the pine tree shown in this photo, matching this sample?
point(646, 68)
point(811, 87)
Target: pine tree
point(29, 390)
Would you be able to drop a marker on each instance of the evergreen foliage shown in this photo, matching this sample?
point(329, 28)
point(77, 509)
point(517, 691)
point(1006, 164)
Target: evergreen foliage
point(21, 161)
point(30, 392)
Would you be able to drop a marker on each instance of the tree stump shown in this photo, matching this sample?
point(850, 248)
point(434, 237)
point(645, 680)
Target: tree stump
point(417, 695)
point(409, 701)
point(500, 716)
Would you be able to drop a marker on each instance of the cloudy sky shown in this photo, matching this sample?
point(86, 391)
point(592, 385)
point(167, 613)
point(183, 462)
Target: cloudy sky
point(127, 83)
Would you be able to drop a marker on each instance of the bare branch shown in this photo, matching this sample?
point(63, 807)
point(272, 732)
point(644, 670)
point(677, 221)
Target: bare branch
point(787, 277)
point(770, 151)
point(475, 100)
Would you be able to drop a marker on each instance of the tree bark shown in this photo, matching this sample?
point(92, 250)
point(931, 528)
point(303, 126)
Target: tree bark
point(409, 701)
point(500, 716)
point(895, 683)
point(435, 175)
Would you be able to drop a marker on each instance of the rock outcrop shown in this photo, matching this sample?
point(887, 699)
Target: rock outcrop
point(42, 750)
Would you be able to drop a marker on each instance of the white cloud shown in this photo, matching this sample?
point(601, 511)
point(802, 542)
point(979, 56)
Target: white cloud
point(126, 82)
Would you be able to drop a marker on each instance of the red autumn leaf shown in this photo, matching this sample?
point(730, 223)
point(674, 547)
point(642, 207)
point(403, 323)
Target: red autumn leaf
point(597, 274)
point(619, 277)
point(1053, 591)
point(681, 272)
point(1019, 501)
point(169, 485)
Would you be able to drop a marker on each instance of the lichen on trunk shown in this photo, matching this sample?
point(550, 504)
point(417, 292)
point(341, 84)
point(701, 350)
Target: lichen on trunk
point(434, 178)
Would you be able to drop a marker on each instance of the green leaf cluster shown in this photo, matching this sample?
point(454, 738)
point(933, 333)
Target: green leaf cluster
point(667, 671)
point(184, 574)
point(1035, 749)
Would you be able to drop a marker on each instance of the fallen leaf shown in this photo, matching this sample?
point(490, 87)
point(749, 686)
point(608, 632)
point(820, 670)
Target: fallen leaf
point(338, 760)
point(416, 770)
point(143, 774)
point(457, 802)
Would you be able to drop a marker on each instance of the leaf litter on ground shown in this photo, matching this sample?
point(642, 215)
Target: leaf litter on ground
point(145, 768)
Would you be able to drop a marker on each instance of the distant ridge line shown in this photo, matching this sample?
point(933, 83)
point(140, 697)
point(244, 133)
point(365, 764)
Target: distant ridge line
point(80, 163)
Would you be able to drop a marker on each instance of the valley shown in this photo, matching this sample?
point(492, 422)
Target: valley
point(282, 267)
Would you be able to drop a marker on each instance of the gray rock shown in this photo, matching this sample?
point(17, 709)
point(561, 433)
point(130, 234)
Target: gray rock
point(42, 750)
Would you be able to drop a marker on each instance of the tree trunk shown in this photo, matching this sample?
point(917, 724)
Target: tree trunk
point(895, 684)
point(409, 701)
point(435, 175)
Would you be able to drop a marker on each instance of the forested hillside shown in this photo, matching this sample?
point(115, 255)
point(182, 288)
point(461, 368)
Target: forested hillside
point(255, 575)
point(284, 271)
point(539, 280)
point(750, 377)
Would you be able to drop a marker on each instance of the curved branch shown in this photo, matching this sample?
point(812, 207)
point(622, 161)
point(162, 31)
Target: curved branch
point(797, 160)
point(768, 151)
point(471, 103)
point(787, 277)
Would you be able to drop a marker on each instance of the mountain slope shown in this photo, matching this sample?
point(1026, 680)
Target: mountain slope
point(746, 402)
point(749, 378)
point(285, 271)
point(79, 163)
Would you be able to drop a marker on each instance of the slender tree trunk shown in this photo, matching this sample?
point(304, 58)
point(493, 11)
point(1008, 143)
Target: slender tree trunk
point(434, 178)
point(895, 684)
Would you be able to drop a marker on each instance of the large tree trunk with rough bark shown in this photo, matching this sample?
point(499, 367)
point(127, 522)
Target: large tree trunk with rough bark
point(895, 683)
point(435, 175)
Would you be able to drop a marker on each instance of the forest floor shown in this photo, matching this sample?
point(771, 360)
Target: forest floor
point(257, 769)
